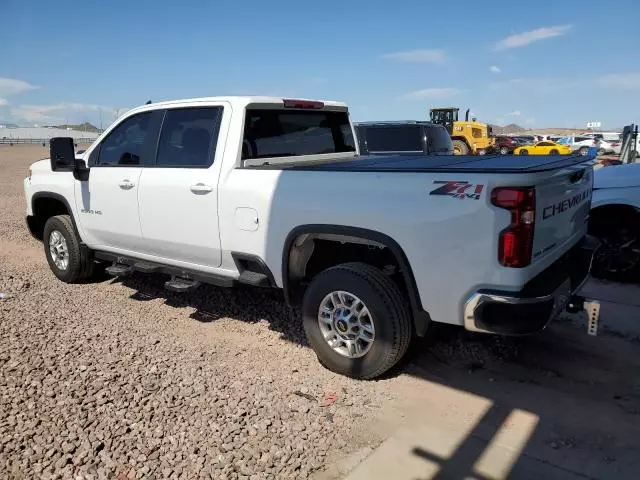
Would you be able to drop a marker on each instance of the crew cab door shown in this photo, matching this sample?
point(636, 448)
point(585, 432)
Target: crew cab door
point(108, 201)
point(178, 197)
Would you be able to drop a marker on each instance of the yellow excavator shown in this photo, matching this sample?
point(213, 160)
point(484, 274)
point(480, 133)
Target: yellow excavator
point(469, 137)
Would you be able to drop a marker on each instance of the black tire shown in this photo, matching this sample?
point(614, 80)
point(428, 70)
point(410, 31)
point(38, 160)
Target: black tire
point(524, 152)
point(504, 151)
point(460, 148)
point(553, 152)
point(601, 151)
point(583, 151)
point(617, 259)
point(387, 306)
point(80, 259)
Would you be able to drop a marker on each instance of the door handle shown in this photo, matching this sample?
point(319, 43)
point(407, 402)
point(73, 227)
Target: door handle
point(126, 185)
point(201, 188)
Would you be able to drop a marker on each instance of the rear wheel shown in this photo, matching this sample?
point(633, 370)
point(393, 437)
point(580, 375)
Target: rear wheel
point(68, 260)
point(583, 151)
point(618, 258)
point(601, 151)
point(504, 150)
point(356, 320)
point(460, 147)
point(524, 152)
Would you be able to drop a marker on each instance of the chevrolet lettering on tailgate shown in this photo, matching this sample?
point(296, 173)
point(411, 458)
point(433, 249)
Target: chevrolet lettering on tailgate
point(567, 204)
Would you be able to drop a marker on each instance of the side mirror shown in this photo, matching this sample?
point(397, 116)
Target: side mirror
point(62, 154)
point(63, 158)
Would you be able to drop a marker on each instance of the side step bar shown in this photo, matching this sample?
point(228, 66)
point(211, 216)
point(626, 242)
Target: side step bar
point(119, 270)
point(181, 280)
point(253, 272)
point(181, 285)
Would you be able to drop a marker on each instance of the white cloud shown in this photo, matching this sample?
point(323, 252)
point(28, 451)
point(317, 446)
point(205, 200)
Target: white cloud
point(417, 56)
point(3, 101)
point(525, 38)
point(433, 93)
point(620, 80)
point(55, 113)
point(494, 69)
point(12, 86)
point(515, 113)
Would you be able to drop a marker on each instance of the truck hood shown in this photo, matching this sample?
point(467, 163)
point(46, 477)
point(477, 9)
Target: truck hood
point(43, 165)
point(618, 176)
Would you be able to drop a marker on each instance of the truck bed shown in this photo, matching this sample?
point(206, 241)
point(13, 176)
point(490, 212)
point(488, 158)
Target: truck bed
point(444, 163)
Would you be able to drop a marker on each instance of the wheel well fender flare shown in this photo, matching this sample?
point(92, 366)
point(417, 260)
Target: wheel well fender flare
point(57, 197)
point(421, 317)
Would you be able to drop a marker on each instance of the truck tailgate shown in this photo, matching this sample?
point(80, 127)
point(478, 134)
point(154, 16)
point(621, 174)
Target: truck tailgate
point(562, 209)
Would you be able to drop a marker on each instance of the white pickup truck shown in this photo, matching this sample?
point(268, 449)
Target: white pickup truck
point(273, 193)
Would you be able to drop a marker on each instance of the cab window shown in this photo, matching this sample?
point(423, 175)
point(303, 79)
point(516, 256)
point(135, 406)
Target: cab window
point(131, 143)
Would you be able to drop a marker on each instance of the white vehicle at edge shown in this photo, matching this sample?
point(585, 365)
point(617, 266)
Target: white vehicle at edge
point(273, 193)
point(581, 143)
point(615, 220)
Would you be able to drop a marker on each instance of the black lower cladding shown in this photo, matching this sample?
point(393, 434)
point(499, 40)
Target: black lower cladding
point(532, 316)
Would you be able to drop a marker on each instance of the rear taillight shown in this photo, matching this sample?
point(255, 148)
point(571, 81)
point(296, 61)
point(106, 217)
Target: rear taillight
point(516, 241)
point(288, 103)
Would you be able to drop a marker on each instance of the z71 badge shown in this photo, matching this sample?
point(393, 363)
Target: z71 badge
point(457, 189)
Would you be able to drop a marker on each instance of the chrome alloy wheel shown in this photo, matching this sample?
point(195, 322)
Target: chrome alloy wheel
point(346, 324)
point(58, 249)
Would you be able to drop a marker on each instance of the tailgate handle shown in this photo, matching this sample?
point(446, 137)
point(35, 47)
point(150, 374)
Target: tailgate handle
point(576, 177)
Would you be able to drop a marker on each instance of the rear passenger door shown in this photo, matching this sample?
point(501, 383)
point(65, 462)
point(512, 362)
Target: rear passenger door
point(178, 197)
point(395, 139)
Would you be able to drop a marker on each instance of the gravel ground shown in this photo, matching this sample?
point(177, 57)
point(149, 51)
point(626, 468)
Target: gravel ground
point(122, 379)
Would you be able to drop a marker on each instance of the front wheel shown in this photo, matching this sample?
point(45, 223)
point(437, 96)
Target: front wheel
point(583, 151)
point(504, 150)
point(356, 320)
point(553, 152)
point(68, 260)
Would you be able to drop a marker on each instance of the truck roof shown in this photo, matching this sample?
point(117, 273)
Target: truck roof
point(240, 101)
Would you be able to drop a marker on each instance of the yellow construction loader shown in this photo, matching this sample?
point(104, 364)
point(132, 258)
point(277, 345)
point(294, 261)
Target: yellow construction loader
point(469, 137)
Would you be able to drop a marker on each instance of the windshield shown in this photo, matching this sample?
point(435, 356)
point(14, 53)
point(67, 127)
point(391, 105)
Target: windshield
point(564, 140)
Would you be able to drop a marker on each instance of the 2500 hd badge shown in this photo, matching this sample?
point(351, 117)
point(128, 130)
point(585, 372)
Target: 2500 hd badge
point(567, 204)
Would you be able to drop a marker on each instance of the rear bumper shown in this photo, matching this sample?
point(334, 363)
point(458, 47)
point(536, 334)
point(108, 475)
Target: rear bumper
point(540, 301)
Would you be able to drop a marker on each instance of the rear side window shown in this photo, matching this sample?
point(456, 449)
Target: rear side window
point(438, 140)
point(189, 136)
point(290, 133)
point(395, 139)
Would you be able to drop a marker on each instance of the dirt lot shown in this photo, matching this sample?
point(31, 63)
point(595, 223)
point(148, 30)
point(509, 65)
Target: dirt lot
point(121, 379)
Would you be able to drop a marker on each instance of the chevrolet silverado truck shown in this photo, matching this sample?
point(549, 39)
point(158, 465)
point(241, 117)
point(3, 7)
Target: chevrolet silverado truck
point(273, 192)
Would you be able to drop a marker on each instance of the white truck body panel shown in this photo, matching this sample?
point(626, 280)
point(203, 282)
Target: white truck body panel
point(451, 244)
point(617, 185)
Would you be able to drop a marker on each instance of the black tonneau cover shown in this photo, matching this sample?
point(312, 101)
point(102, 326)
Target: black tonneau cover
point(444, 163)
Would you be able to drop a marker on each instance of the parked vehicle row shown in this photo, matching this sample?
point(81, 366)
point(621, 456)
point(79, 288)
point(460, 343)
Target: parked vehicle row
point(272, 192)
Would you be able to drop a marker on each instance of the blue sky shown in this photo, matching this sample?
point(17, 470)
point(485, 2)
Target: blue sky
point(536, 63)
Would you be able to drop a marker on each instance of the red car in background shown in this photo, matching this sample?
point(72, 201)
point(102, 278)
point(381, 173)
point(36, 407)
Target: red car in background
point(505, 145)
